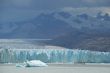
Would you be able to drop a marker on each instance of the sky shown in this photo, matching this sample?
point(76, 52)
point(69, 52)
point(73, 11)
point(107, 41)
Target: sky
point(54, 4)
point(27, 9)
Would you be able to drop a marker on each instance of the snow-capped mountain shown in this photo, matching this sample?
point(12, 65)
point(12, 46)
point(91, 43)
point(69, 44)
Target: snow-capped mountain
point(55, 23)
point(78, 24)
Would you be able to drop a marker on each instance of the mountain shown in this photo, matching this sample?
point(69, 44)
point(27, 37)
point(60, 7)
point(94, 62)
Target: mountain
point(43, 26)
point(69, 27)
point(90, 40)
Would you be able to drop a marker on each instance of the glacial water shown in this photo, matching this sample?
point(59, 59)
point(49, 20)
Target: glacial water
point(53, 56)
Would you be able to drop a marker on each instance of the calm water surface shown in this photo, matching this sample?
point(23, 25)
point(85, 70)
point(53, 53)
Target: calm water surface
point(57, 68)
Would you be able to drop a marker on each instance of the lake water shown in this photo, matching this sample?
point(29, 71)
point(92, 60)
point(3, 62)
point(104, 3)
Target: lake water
point(58, 68)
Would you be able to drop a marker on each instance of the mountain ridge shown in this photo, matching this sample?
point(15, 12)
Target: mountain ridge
point(65, 27)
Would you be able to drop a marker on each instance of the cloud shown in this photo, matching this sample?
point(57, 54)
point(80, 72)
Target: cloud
point(21, 2)
point(70, 3)
point(96, 2)
point(52, 4)
point(16, 3)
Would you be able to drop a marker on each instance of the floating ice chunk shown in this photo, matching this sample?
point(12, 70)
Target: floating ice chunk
point(35, 63)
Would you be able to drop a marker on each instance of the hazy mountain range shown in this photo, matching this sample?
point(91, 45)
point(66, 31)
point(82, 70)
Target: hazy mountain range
point(85, 28)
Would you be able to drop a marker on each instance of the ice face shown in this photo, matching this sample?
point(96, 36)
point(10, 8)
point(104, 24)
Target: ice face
point(53, 56)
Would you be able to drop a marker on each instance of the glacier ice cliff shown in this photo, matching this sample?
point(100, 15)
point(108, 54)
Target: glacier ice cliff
point(53, 56)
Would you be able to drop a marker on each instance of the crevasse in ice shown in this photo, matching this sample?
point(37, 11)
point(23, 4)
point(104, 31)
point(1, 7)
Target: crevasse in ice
point(53, 56)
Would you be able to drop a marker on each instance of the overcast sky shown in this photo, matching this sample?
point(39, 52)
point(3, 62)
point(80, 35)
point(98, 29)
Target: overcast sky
point(51, 4)
point(7, 13)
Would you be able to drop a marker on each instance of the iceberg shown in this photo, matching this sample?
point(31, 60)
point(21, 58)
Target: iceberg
point(32, 63)
point(35, 63)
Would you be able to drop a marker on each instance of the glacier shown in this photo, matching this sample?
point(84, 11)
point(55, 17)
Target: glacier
point(53, 56)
